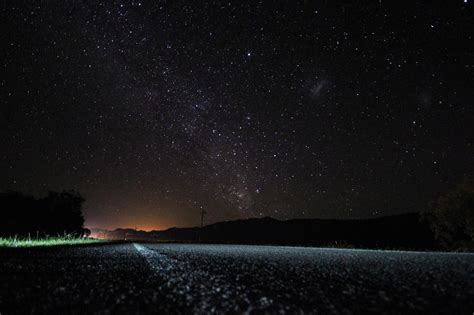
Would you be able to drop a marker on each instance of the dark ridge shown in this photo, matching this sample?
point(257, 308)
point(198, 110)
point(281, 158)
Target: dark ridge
point(404, 231)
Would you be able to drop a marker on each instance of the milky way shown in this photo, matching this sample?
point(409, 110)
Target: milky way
point(155, 110)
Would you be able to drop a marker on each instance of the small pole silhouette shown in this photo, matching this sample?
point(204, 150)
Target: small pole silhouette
point(203, 212)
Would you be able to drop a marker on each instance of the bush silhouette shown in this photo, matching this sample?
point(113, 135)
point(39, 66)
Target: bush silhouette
point(451, 218)
point(55, 214)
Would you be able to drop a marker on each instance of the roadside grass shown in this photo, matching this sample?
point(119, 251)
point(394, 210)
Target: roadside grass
point(18, 242)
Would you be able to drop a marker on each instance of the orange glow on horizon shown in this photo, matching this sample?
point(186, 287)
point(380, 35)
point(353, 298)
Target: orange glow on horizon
point(143, 219)
point(148, 226)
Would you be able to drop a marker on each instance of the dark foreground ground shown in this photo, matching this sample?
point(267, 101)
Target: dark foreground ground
point(178, 278)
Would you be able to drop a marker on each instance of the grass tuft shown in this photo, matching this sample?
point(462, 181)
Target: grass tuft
point(18, 242)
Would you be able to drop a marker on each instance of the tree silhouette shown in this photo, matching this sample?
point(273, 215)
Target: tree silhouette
point(17, 214)
point(451, 217)
point(55, 214)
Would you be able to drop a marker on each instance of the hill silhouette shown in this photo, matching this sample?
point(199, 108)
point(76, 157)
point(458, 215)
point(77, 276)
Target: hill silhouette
point(404, 231)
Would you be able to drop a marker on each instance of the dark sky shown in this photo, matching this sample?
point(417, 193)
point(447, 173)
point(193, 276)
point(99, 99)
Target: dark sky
point(295, 109)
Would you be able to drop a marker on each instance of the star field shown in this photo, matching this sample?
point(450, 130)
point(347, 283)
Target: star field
point(154, 110)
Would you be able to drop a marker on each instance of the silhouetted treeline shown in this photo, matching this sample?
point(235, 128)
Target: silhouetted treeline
point(52, 215)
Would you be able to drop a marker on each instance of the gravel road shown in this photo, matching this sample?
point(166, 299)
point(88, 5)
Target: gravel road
point(186, 278)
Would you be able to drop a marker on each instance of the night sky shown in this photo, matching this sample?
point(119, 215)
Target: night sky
point(297, 109)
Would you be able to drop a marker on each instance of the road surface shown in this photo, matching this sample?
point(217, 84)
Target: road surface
point(184, 278)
